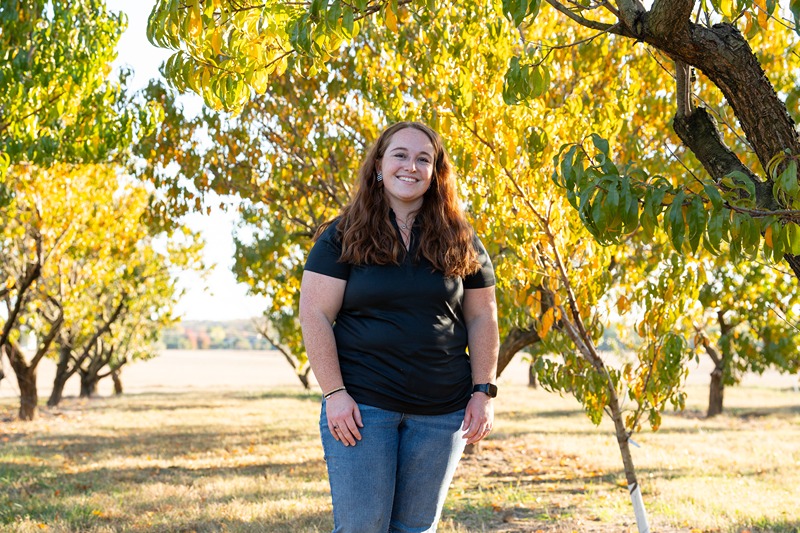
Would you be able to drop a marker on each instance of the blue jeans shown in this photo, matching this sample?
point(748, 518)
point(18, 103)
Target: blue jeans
point(395, 479)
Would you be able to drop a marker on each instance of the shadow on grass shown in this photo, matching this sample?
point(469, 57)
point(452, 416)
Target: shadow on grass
point(768, 526)
point(500, 434)
point(507, 519)
point(287, 394)
point(146, 401)
point(519, 416)
point(744, 413)
point(160, 444)
point(46, 495)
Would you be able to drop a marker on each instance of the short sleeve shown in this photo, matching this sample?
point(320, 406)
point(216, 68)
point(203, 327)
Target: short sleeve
point(484, 277)
point(324, 255)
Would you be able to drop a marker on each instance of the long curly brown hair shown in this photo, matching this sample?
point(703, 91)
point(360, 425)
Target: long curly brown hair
point(367, 234)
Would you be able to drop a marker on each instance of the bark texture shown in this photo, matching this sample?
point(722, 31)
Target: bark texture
point(62, 375)
point(26, 381)
point(716, 392)
point(116, 377)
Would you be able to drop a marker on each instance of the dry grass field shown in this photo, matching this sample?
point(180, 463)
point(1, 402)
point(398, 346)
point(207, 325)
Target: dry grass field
point(227, 441)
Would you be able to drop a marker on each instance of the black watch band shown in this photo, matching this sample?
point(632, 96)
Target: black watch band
point(489, 389)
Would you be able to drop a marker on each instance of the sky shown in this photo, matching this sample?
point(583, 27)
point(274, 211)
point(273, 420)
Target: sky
point(218, 297)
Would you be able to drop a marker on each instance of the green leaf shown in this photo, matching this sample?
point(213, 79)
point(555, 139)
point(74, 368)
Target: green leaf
point(788, 179)
point(713, 195)
point(630, 214)
point(778, 241)
point(348, 20)
point(675, 223)
point(696, 219)
point(600, 143)
point(317, 9)
point(715, 231)
point(794, 6)
point(793, 237)
point(737, 180)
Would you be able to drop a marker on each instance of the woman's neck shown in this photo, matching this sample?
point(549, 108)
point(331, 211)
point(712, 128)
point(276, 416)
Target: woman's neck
point(404, 214)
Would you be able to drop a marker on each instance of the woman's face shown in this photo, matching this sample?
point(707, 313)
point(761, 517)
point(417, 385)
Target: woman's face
point(407, 167)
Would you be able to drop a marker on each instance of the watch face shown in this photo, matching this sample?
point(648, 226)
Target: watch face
point(486, 388)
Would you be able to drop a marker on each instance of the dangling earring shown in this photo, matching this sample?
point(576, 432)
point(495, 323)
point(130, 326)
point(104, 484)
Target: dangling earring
point(379, 177)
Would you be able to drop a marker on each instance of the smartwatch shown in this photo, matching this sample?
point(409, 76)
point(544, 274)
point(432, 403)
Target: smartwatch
point(489, 389)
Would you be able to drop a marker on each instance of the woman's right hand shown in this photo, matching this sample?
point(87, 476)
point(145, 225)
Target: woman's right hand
point(344, 418)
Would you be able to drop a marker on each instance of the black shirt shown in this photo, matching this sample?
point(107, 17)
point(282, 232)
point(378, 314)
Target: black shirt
point(400, 333)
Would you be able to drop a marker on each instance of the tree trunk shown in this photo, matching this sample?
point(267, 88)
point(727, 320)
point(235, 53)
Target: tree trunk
point(623, 440)
point(28, 395)
point(62, 375)
point(715, 392)
point(513, 343)
point(26, 381)
point(533, 382)
point(115, 377)
point(89, 385)
point(304, 377)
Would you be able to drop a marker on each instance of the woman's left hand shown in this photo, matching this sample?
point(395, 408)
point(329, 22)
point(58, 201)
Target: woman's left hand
point(478, 418)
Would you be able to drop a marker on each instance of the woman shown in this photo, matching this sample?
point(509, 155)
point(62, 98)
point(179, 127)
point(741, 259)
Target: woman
point(394, 292)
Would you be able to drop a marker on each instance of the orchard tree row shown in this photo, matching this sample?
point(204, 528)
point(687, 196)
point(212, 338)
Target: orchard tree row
point(629, 167)
point(86, 272)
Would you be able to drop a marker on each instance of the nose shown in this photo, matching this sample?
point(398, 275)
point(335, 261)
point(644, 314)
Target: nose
point(412, 165)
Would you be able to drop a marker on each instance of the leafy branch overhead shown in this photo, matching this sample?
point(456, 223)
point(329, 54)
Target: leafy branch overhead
point(229, 51)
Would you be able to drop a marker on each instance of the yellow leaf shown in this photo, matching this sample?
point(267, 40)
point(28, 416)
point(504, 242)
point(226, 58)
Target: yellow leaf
point(216, 42)
point(623, 304)
point(768, 236)
point(547, 322)
point(761, 7)
point(390, 18)
point(726, 7)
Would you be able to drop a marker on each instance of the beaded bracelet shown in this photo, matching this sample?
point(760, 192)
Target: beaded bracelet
point(334, 391)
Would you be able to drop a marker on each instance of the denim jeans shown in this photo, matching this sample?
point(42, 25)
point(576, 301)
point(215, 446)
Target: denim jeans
point(395, 479)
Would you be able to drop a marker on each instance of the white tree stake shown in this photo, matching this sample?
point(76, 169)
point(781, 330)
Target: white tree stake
point(638, 508)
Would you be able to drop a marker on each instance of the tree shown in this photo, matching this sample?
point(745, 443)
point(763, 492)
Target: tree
point(85, 232)
point(150, 294)
point(116, 290)
point(745, 325)
point(57, 104)
point(38, 228)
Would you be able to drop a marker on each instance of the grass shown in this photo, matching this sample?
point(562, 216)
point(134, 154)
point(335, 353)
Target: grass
point(226, 461)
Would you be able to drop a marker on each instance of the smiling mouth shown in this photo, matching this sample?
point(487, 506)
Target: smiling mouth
point(407, 179)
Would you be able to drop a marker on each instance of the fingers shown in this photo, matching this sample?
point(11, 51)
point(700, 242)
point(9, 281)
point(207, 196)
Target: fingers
point(478, 433)
point(478, 419)
point(467, 420)
point(344, 419)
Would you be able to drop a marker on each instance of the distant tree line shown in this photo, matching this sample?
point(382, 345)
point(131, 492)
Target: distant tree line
point(214, 335)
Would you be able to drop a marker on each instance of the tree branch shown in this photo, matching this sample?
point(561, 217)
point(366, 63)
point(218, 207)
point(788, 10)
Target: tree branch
point(699, 133)
point(514, 342)
point(670, 14)
point(587, 23)
point(684, 89)
point(632, 14)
